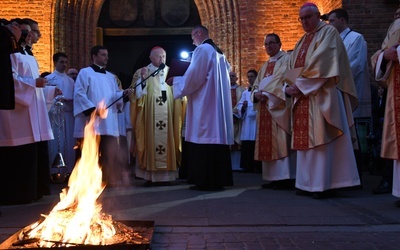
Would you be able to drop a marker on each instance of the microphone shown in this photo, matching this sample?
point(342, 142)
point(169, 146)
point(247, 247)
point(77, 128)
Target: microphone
point(161, 67)
point(143, 82)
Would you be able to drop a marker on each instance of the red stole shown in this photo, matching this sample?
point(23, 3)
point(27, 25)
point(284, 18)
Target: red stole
point(265, 126)
point(300, 109)
point(396, 100)
point(233, 96)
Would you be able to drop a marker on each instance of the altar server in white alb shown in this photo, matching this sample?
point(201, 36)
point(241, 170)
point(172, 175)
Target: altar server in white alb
point(248, 115)
point(93, 86)
point(61, 116)
point(209, 116)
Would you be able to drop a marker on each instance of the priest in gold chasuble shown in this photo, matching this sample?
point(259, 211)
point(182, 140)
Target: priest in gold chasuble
point(154, 122)
point(324, 98)
point(273, 118)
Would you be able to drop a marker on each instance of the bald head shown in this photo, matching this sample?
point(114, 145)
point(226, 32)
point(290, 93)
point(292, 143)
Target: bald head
point(73, 73)
point(157, 56)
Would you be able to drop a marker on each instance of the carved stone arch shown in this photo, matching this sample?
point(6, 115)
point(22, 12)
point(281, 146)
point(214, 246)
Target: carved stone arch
point(75, 24)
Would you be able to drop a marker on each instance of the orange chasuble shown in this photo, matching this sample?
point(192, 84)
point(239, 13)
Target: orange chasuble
point(265, 126)
point(300, 109)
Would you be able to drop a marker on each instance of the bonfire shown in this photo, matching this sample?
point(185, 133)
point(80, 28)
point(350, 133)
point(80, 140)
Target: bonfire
point(77, 219)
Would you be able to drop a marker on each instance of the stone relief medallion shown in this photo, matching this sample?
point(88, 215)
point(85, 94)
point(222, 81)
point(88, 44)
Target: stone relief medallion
point(175, 12)
point(123, 12)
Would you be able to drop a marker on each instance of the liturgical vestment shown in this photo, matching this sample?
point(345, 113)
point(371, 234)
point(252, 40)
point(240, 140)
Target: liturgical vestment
point(322, 116)
point(389, 77)
point(156, 122)
point(273, 121)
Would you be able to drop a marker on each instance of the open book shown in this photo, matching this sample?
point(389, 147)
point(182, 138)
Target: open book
point(177, 68)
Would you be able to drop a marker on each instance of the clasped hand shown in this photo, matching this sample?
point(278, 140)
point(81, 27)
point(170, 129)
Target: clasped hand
point(128, 91)
point(259, 96)
point(390, 54)
point(293, 91)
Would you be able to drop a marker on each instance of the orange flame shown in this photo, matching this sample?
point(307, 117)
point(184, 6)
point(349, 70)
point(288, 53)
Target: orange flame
point(77, 218)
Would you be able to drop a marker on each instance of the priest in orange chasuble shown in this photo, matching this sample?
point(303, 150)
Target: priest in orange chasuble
point(387, 72)
point(324, 97)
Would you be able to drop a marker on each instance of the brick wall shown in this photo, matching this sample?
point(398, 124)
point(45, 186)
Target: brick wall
point(259, 17)
point(372, 19)
point(39, 10)
point(237, 26)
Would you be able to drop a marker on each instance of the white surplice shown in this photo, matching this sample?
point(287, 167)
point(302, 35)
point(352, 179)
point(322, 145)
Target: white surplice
point(29, 121)
point(209, 117)
point(356, 48)
point(249, 121)
point(92, 88)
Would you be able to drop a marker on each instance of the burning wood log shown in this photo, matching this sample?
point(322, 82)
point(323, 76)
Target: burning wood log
point(77, 220)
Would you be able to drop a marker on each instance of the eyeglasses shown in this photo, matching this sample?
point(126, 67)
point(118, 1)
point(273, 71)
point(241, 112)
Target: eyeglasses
point(270, 44)
point(306, 18)
point(37, 32)
point(194, 34)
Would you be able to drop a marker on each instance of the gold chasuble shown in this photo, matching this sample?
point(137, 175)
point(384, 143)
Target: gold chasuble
point(273, 117)
point(322, 56)
point(236, 94)
point(156, 122)
point(390, 79)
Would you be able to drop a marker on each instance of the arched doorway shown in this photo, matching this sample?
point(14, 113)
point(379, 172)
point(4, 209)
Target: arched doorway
point(130, 39)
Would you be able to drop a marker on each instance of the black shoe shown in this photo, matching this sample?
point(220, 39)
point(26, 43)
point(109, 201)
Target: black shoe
point(324, 194)
point(300, 192)
point(397, 203)
point(216, 189)
point(383, 188)
point(284, 184)
point(148, 184)
point(269, 185)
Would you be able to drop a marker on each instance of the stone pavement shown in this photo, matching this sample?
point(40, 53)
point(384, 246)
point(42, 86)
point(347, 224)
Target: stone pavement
point(244, 216)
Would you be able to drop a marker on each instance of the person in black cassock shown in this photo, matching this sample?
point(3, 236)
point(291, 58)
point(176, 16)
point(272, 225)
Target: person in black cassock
point(9, 35)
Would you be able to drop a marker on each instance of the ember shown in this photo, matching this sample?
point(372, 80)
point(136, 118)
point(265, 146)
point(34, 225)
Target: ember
point(137, 235)
point(77, 219)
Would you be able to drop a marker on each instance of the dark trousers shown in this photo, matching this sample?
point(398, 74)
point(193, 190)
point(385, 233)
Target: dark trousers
point(110, 158)
point(247, 161)
point(18, 178)
point(209, 165)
